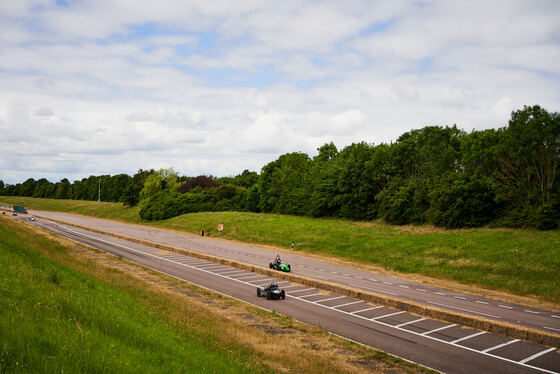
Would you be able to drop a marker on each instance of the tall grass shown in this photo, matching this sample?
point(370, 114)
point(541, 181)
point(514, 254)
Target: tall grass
point(56, 319)
point(523, 262)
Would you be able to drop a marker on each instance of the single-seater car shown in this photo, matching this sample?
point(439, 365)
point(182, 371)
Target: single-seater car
point(271, 292)
point(278, 265)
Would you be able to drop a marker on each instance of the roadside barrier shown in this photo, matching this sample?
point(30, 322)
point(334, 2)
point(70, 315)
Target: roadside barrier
point(498, 327)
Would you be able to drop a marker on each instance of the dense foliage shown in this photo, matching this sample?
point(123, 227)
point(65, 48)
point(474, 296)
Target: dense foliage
point(439, 175)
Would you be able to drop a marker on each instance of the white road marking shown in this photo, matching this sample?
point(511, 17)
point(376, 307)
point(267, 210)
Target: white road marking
point(346, 275)
point(481, 302)
point(410, 322)
point(460, 297)
point(331, 298)
point(550, 328)
point(421, 290)
point(305, 289)
point(403, 286)
point(232, 272)
point(530, 358)
point(366, 309)
point(245, 276)
point(313, 294)
point(373, 289)
point(466, 310)
point(311, 302)
point(373, 280)
point(440, 293)
point(438, 329)
point(468, 337)
point(531, 311)
point(500, 345)
point(553, 316)
point(353, 302)
point(387, 282)
point(387, 315)
point(505, 306)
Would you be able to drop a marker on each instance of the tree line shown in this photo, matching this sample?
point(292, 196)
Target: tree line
point(439, 175)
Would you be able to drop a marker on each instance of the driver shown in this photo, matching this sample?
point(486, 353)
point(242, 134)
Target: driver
point(278, 261)
point(272, 285)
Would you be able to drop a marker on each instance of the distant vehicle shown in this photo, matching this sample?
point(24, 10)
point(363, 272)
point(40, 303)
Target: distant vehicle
point(272, 292)
point(278, 265)
point(32, 218)
point(14, 214)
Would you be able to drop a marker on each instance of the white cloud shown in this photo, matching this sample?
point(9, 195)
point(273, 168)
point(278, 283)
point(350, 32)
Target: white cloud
point(217, 87)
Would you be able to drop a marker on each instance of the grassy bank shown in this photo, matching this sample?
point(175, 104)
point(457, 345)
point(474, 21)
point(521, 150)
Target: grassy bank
point(55, 319)
point(517, 261)
point(65, 307)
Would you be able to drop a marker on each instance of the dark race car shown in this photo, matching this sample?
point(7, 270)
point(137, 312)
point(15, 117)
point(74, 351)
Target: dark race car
point(271, 292)
point(278, 265)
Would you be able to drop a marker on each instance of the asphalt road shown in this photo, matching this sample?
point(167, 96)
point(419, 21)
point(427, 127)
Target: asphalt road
point(417, 292)
point(441, 346)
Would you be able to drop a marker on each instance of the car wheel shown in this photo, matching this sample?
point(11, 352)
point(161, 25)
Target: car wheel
point(258, 292)
point(283, 295)
point(268, 296)
point(270, 265)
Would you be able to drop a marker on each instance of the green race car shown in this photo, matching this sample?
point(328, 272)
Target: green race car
point(278, 265)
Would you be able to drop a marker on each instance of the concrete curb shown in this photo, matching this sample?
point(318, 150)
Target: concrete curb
point(502, 328)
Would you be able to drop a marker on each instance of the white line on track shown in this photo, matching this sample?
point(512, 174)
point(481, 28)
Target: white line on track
point(551, 328)
point(388, 315)
point(468, 337)
point(500, 345)
point(505, 306)
point(374, 289)
point(305, 289)
point(366, 309)
point(313, 294)
point(438, 329)
point(425, 334)
point(466, 310)
point(481, 302)
point(410, 322)
point(421, 290)
point(553, 316)
point(329, 299)
point(353, 302)
point(531, 311)
point(403, 286)
point(440, 293)
point(460, 297)
point(530, 358)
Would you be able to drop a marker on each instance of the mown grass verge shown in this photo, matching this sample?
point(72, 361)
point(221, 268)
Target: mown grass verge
point(65, 307)
point(518, 261)
point(56, 319)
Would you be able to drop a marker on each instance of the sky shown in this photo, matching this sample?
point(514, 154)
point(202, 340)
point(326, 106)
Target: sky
point(96, 87)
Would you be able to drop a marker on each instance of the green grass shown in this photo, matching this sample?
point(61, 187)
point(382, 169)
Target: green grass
point(519, 261)
point(56, 319)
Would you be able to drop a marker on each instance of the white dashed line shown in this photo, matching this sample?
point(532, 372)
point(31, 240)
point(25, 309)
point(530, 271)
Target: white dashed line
point(505, 306)
point(410, 322)
point(536, 355)
point(440, 293)
point(553, 316)
point(331, 298)
point(376, 290)
point(550, 328)
point(460, 297)
point(403, 286)
point(387, 282)
point(466, 310)
point(421, 290)
point(388, 315)
point(364, 310)
point(468, 337)
point(481, 302)
point(531, 311)
point(353, 302)
point(438, 329)
point(500, 345)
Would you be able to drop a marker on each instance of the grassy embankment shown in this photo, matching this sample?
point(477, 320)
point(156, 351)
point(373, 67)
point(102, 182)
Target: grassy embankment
point(67, 308)
point(518, 261)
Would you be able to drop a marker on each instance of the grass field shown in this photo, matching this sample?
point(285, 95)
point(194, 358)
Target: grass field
point(55, 319)
point(67, 308)
point(517, 261)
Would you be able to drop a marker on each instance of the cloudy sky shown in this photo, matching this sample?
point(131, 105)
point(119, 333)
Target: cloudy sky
point(91, 87)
